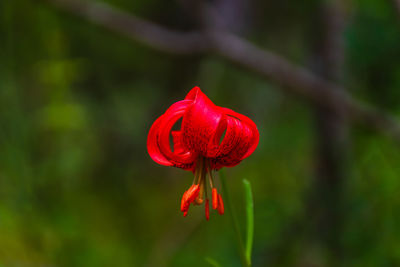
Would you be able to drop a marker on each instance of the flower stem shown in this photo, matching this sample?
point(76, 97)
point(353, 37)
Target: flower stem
point(249, 219)
point(234, 221)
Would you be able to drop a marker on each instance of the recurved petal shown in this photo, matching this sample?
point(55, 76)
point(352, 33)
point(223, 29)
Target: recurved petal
point(158, 139)
point(152, 144)
point(177, 141)
point(241, 138)
point(251, 127)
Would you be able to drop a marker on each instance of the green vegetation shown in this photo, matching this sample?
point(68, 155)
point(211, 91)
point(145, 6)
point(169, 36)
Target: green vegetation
point(77, 187)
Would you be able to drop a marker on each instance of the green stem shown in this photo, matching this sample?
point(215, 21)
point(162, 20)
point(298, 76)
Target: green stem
point(234, 220)
point(249, 219)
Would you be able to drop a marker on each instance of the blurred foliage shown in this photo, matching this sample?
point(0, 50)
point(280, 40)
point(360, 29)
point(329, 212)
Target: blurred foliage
point(77, 187)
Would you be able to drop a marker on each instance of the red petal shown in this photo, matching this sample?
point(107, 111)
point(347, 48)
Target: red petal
point(177, 141)
point(200, 123)
point(152, 144)
point(203, 124)
point(241, 139)
point(158, 139)
point(252, 126)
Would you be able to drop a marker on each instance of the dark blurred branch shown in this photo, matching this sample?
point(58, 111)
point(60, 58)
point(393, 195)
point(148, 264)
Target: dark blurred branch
point(325, 206)
point(302, 82)
point(294, 79)
point(397, 6)
point(135, 28)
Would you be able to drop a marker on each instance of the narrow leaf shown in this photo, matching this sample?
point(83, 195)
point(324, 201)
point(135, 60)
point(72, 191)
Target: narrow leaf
point(249, 219)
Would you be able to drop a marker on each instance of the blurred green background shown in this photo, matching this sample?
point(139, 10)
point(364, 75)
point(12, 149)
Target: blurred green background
point(77, 187)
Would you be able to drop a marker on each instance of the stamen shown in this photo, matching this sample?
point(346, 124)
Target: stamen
point(220, 205)
point(188, 197)
point(183, 201)
point(207, 210)
point(193, 192)
point(214, 198)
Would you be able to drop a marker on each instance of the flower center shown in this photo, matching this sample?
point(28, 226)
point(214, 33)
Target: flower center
point(198, 191)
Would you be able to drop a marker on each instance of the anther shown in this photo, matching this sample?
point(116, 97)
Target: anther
point(188, 197)
point(183, 201)
point(214, 198)
point(193, 192)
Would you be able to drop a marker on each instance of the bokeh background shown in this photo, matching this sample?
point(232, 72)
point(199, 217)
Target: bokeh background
point(77, 187)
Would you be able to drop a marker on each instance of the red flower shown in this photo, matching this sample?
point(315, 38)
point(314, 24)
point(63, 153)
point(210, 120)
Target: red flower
point(197, 146)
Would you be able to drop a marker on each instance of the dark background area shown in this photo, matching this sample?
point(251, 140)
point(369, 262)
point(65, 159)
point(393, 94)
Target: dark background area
point(77, 187)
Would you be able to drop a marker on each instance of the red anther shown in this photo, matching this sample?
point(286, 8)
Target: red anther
point(185, 213)
point(207, 210)
point(184, 201)
point(193, 192)
point(214, 198)
point(189, 196)
point(220, 205)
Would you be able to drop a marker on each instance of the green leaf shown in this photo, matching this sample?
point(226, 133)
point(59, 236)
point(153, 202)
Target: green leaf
point(249, 219)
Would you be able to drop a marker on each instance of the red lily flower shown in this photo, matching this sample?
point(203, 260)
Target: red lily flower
point(197, 146)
